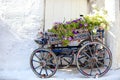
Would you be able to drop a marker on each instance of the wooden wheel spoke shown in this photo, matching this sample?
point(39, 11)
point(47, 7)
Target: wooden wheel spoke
point(82, 57)
point(41, 70)
point(91, 71)
point(49, 59)
point(86, 66)
point(85, 59)
point(66, 60)
point(92, 65)
point(101, 52)
point(86, 54)
point(103, 58)
point(36, 61)
point(95, 48)
point(102, 64)
point(98, 68)
point(38, 57)
point(51, 64)
point(46, 71)
point(90, 51)
point(42, 55)
point(37, 67)
point(46, 56)
point(49, 69)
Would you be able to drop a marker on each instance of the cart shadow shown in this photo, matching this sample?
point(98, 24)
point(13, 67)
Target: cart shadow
point(68, 73)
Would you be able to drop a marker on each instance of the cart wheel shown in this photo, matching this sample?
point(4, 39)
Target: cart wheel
point(94, 59)
point(66, 60)
point(43, 63)
point(83, 42)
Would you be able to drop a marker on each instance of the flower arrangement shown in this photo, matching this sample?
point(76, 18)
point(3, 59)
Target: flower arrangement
point(67, 30)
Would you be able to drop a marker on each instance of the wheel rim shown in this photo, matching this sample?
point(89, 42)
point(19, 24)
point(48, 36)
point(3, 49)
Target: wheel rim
point(94, 59)
point(66, 60)
point(43, 63)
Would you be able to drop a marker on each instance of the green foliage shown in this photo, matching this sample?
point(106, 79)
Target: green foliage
point(95, 21)
point(66, 30)
point(65, 42)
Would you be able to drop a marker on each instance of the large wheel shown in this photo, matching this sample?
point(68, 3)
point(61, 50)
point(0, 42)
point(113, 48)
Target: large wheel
point(85, 41)
point(66, 60)
point(94, 59)
point(43, 63)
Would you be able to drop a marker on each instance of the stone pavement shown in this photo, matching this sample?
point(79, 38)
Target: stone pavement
point(61, 74)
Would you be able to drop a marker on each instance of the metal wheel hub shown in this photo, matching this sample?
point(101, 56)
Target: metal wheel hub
point(43, 63)
point(93, 60)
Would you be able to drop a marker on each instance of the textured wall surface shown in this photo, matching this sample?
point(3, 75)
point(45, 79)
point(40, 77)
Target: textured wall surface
point(20, 20)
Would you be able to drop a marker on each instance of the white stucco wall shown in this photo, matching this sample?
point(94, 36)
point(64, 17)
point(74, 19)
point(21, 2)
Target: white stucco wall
point(113, 35)
point(20, 20)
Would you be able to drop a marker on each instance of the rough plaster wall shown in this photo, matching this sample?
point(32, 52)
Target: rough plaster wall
point(19, 24)
point(113, 36)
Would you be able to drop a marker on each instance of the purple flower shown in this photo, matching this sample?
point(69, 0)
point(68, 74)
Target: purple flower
point(70, 38)
point(63, 37)
point(56, 23)
point(80, 25)
point(85, 24)
point(79, 19)
point(68, 22)
point(75, 32)
point(75, 21)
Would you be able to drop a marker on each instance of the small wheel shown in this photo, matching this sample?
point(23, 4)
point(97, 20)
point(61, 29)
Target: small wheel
point(43, 63)
point(94, 59)
point(66, 60)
